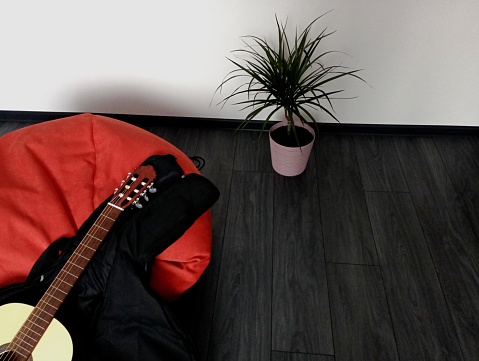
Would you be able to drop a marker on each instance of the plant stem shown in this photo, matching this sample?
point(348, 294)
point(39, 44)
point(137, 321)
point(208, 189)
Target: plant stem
point(287, 114)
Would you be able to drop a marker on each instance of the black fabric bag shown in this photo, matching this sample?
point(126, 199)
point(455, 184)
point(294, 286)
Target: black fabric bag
point(111, 313)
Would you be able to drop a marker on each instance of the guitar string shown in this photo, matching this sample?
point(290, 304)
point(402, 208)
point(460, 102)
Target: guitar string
point(103, 218)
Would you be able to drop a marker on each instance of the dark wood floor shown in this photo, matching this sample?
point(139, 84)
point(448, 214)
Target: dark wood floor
point(371, 254)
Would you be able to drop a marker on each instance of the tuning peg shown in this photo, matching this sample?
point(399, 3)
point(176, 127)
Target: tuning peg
point(152, 190)
point(138, 205)
point(146, 197)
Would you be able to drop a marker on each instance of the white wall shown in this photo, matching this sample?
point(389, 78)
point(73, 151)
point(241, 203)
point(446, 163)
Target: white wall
point(421, 58)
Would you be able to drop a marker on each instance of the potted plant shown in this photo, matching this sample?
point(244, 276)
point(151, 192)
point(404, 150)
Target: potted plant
point(289, 76)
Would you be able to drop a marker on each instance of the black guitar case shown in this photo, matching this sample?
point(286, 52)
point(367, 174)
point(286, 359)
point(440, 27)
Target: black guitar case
point(111, 313)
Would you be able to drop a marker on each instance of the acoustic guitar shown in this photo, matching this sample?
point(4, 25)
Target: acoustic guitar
point(32, 333)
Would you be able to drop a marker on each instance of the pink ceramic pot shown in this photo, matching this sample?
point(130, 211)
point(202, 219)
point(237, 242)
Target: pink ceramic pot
point(290, 161)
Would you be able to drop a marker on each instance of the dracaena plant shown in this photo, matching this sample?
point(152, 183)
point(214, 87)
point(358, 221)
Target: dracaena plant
point(289, 76)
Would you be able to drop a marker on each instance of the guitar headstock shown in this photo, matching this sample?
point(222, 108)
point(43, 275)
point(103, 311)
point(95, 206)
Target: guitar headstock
point(134, 187)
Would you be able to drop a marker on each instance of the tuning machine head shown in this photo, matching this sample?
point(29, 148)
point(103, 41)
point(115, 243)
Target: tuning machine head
point(143, 195)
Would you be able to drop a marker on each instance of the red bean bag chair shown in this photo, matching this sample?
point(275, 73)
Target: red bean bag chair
point(54, 174)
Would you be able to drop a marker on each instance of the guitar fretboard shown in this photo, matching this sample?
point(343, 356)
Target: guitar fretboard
point(42, 315)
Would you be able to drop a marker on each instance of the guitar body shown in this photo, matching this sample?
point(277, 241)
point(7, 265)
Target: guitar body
point(56, 343)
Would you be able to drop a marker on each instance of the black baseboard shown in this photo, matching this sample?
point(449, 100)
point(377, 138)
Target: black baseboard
point(344, 128)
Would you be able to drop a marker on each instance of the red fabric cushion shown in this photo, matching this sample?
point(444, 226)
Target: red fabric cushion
point(54, 174)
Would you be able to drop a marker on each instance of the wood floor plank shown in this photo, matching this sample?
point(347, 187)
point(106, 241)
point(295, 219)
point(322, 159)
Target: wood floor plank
point(346, 229)
point(461, 158)
point(7, 127)
point(185, 139)
point(449, 234)
point(361, 323)
point(252, 154)
point(197, 305)
point(379, 164)
point(290, 356)
point(242, 320)
point(217, 147)
point(301, 314)
point(423, 327)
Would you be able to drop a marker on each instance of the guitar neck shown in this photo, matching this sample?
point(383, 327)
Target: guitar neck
point(42, 315)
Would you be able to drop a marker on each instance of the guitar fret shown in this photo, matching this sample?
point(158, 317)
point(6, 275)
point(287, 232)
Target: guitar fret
point(98, 239)
point(48, 304)
point(101, 227)
point(58, 289)
point(71, 274)
point(52, 296)
point(66, 282)
point(44, 311)
point(76, 265)
point(17, 350)
point(93, 249)
point(78, 254)
point(113, 219)
point(27, 335)
point(41, 319)
point(34, 324)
